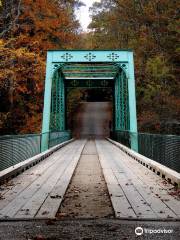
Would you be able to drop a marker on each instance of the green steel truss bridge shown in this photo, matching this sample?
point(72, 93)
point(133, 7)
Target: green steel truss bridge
point(139, 171)
point(90, 69)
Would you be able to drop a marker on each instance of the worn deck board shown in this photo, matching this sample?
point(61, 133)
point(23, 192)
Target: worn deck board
point(140, 189)
point(120, 203)
point(51, 205)
point(135, 191)
point(29, 198)
point(21, 182)
point(153, 184)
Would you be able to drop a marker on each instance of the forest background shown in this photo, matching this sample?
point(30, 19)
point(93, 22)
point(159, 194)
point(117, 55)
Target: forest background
point(28, 28)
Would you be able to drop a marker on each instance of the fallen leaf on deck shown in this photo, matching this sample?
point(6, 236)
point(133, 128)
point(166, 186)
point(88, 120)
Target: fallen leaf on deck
point(1, 197)
point(165, 200)
point(44, 213)
point(55, 196)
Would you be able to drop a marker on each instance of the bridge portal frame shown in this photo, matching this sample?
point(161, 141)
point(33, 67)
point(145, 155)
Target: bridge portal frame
point(122, 58)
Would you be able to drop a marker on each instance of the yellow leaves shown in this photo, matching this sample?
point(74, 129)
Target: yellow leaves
point(1, 43)
point(42, 25)
point(23, 52)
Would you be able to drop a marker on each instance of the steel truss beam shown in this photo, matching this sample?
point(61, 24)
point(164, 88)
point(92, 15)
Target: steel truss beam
point(96, 66)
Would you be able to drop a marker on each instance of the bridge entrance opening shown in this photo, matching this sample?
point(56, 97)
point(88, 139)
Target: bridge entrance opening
point(91, 112)
point(94, 71)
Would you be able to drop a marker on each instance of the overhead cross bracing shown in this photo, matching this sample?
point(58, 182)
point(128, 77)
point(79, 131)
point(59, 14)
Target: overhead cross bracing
point(90, 71)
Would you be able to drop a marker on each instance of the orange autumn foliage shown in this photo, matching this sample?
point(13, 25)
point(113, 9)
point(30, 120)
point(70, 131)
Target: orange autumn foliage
point(34, 27)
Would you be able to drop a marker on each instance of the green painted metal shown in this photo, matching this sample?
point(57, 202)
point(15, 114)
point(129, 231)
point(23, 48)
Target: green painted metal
point(98, 56)
point(162, 148)
point(47, 101)
point(61, 102)
point(17, 148)
point(57, 121)
point(132, 102)
point(90, 69)
point(117, 103)
point(89, 83)
point(89, 74)
point(121, 102)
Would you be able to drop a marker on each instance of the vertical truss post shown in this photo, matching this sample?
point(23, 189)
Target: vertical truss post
point(61, 102)
point(117, 103)
point(121, 117)
point(126, 103)
point(47, 104)
point(57, 122)
point(122, 113)
point(54, 101)
point(132, 103)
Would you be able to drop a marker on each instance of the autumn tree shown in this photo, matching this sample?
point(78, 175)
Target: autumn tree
point(28, 29)
point(150, 28)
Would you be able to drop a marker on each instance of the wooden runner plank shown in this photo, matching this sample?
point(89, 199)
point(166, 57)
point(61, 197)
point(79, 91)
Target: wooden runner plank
point(164, 196)
point(139, 205)
point(145, 171)
point(156, 204)
point(13, 207)
point(168, 208)
point(35, 203)
point(100, 144)
point(157, 190)
point(144, 203)
point(31, 208)
point(152, 206)
point(120, 203)
point(52, 203)
point(24, 180)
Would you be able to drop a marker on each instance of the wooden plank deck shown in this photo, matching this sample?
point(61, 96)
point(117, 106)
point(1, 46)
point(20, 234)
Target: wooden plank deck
point(31, 192)
point(135, 191)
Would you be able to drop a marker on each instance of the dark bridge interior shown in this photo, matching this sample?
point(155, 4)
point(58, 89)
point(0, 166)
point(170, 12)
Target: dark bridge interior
point(94, 114)
point(92, 119)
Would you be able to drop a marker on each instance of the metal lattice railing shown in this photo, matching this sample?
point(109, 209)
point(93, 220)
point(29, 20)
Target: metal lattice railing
point(17, 148)
point(58, 137)
point(164, 149)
